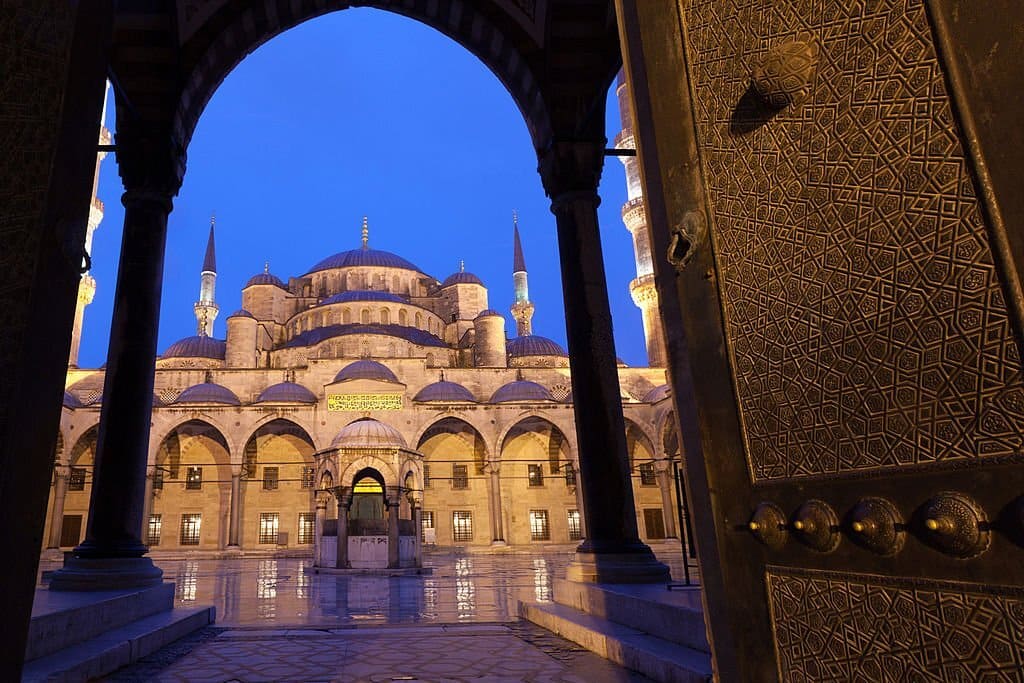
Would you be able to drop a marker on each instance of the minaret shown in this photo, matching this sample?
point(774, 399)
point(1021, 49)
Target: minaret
point(522, 309)
point(206, 310)
point(87, 285)
point(645, 296)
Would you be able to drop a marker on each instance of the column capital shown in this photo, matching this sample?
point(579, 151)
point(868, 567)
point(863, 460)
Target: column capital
point(571, 169)
point(151, 163)
point(61, 471)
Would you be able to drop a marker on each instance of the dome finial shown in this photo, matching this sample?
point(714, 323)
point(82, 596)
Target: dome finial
point(366, 234)
point(462, 265)
point(266, 267)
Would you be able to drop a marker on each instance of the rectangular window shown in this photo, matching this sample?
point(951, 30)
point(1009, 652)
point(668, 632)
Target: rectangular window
point(570, 475)
point(426, 476)
point(194, 478)
point(70, 531)
point(269, 478)
point(654, 523)
point(462, 526)
point(539, 530)
point(190, 523)
point(174, 465)
point(76, 479)
point(308, 475)
point(153, 530)
point(306, 522)
point(427, 522)
point(249, 466)
point(158, 479)
point(460, 477)
point(575, 533)
point(647, 476)
point(536, 475)
point(268, 527)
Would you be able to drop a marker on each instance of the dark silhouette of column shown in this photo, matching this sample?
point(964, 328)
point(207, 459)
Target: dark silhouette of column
point(344, 500)
point(60, 489)
point(612, 551)
point(147, 508)
point(393, 502)
point(236, 509)
point(111, 556)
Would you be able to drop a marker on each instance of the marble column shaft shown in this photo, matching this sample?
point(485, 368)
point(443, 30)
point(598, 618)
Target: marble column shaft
point(342, 553)
point(60, 489)
point(668, 510)
point(497, 525)
point(393, 555)
point(236, 509)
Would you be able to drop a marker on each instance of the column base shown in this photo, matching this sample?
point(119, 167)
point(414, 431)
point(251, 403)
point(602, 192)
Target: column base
point(102, 574)
point(500, 543)
point(634, 567)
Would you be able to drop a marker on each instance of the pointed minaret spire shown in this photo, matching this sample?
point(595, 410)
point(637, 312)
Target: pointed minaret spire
point(522, 307)
point(206, 309)
point(366, 234)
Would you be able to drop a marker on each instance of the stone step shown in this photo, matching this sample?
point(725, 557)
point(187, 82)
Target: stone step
point(655, 658)
point(61, 619)
point(673, 615)
point(109, 651)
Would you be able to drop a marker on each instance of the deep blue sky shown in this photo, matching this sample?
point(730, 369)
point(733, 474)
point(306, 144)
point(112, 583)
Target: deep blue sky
point(363, 112)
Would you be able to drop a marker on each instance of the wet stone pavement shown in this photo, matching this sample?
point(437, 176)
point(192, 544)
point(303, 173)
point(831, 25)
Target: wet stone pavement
point(277, 622)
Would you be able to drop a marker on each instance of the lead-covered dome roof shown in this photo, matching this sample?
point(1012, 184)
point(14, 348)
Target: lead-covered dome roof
point(286, 392)
point(366, 369)
point(208, 392)
point(521, 390)
point(363, 295)
point(462, 278)
point(534, 345)
point(364, 257)
point(368, 433)
point(444, 391)
point(71, 401)
point(265, 279)
point(197, 347)
point(657, 394)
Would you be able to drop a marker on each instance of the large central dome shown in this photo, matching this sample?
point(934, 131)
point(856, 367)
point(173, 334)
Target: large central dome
point(364, 257)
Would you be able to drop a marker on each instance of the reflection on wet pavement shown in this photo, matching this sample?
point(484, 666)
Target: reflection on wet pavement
point(279, 591)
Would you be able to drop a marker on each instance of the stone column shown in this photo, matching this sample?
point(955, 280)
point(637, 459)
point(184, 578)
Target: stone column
point(236, 510)
point(111, 556)
point(319, 515)
point(416, 503)
point(344, 500)
point(147, 507)
point(612, 551)
point(497, 521)
point(393, 504)
point(661, 467)
point(60, 489)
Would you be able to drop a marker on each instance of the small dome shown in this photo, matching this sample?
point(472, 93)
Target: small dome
point(363, 295)
point(242, 313)
point(364, 257)
point(534, 345)
point(521, 390)
point(71, 401)
point(462, 278)
point(444, 391)
point(265, 279)
point(286, 392)
point(197, 347)
point(366, 369)
point(658, 394)
point(488, 313)
point(208, 392)
point(368, 433)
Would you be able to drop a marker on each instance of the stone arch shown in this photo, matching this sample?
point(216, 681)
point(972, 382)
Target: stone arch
point(637, 438)
point(82, 444)
point(461, 429)
point(555, 450)
point(669, 442)
point(216, 424)
point(305, 425)
point(367, 462)
point(567, 430)
point(290, 460)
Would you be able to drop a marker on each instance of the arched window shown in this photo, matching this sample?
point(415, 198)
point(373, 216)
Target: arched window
point(346, 316)
point(403, 317)
point(419, 320)
point(385, 316)
point(396, 284)
point(364, 316)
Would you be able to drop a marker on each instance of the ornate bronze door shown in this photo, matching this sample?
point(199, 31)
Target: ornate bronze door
point(828, 185)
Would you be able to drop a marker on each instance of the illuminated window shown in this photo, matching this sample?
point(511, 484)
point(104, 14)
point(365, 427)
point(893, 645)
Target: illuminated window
point(462, 526)
point(426, 522)
point(536, 475)
point(190, 523)
point(76, 479)
point(460, 477)
point(308, 476)
point(194, 478)
point(270, 479)
point(654, 523)
point(426, 476)
point(575, 534)
point(153, 530)
point(647, 476)
point(306, 522)
point(539, 530)
point(268, 527)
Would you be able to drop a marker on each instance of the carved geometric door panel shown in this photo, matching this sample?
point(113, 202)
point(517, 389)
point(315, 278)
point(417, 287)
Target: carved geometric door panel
point(843, 318)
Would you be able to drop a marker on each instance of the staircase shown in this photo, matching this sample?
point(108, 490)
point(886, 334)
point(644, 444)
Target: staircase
point(77, 636)
point(646, 628)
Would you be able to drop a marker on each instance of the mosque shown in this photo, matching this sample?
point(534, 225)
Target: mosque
point(367, 399)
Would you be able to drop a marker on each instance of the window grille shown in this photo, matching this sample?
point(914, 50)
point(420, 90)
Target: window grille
point(536, 475)
point(308, 476)
point(270, 478)
point(190, 524)
point(76, 479)
point(268, 527)
point(306, 524)
point(426, 476)
point(570, 475)
point(647, 475)
point(575, 533)
point(539, 529)
point(158, 479)
point(462, 526)
point(426, 522)
point(460, 477)
point(153, 530)
point(194, 478)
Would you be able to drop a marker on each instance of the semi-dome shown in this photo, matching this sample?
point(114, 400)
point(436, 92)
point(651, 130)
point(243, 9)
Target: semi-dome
point(444, 391)
point(242, 313)
point(197, 347)
point(488, 313)
point(286, 392)
point(366, 369)
point(208, 392)
point(521, 390)
point(534, 345)
point(364, 257)
point(71, 401)
point(412, 335)
point(265, 279)
point(368, 433)
point(657, 394)
point(363, 295)
point(462, 278)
